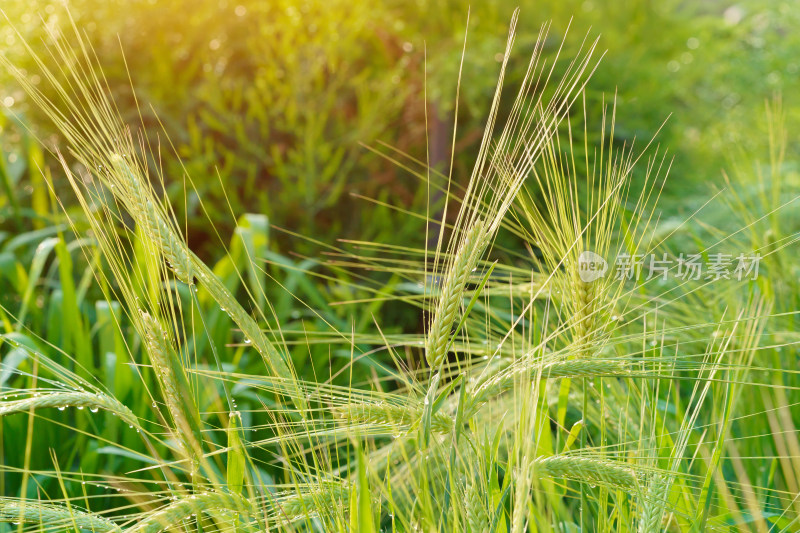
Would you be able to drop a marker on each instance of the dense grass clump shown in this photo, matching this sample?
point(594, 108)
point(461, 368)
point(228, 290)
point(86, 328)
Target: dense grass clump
point(533, 398)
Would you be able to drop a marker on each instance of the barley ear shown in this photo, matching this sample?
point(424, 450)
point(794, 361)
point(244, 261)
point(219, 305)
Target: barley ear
point(504, 381)
point(174, 387)
point(140, 202)
point(297, 505)
point(584, 316)
point(584, 306)
point(446, 313)
point(183, 509)
point(477, 514)
point(654, 502)
point(78, 400)
point(53, 517)
point(402, 417)
point(587, 470)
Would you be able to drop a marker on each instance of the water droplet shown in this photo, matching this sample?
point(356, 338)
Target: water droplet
point(94, 409)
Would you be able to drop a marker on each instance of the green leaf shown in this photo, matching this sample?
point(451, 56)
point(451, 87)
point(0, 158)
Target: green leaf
point(236, 455)
point(427, 411)
point(34, 274)
point(364, 520)
point(75, 335)
point(249, 248)
point(577, 427)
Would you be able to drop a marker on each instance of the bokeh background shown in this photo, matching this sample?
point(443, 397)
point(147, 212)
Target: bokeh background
point(278, 99)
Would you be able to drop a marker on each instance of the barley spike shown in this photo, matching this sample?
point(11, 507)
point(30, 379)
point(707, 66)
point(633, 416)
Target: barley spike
point(586, 470)
point(465, 260)
point(53, 516)
point(184, 508)
point(63, 400)
point(174, 386)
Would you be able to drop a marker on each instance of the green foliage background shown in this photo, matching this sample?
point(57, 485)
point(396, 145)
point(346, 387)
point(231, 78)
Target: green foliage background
point(274, 98)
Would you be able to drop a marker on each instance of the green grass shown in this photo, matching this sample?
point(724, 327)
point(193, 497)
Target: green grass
point(272, 393)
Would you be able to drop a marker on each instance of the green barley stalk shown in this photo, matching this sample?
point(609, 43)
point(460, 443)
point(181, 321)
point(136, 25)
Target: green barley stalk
point(655, 502)
point(53, 516)
point(278, 363)
point(78, 400)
